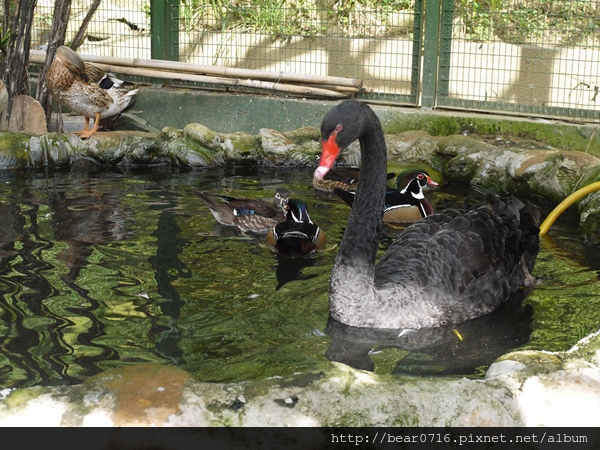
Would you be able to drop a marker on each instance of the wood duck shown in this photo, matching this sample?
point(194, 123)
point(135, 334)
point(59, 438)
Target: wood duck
point(85, 89)
point(296, 235)
point(344, 179)
point(402, 205)
point(248, 214)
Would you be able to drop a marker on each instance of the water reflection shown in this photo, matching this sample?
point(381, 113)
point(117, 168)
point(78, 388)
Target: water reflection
point(455, 350)
point(83, 220)
point(56, 313)
point(101, 270)
point(290, 269)
point(167, 269)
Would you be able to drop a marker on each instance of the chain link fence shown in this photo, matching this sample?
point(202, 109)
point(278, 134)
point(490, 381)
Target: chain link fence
point(528, 57)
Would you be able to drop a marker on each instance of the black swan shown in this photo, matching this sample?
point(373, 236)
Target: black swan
point(446, 268)
point(248, 214)
point(296, 235)
point(404, 205)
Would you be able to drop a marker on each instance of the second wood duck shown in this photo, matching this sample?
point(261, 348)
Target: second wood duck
point(406, 205)
point(345, 179)
point(296, 235)
point(246, 213)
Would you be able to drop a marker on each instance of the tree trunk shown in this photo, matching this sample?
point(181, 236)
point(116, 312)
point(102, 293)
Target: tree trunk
point(15, 66)
point(86, 21)
point(60, 20)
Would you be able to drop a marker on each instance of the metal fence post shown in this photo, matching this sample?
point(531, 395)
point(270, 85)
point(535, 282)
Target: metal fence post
point(431, 39)
point(445, 49)
point(415, 78)
point(164, 22)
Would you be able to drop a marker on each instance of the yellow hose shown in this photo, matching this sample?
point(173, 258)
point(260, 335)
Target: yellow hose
point(566, 203)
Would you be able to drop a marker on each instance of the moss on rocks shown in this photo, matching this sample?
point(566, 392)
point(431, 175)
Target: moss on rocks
point(546, 173)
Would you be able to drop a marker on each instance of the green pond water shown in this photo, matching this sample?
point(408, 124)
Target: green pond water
point(100, 270)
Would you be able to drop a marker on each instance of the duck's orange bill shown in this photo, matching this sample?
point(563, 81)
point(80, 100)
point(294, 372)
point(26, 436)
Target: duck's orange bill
point(431, 182)
point(329, 153)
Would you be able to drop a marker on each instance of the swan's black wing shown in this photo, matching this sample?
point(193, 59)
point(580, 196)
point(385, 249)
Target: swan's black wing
point(469, 261)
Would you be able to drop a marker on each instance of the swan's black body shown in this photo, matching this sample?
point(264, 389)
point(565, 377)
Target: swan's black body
point(447, 268)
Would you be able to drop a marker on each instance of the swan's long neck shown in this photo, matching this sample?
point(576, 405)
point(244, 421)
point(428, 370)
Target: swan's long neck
point(352, 279)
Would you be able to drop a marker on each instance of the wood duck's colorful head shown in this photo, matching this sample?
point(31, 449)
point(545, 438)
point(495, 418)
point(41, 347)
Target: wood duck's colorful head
point(297, 211)
point(406, 205)
point(408, 182)
point(296, 235)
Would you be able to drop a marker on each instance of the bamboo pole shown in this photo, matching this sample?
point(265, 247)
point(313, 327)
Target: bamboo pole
point(227, 72)
point(258, 84)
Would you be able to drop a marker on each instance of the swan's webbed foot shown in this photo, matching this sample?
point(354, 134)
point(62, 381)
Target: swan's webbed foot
point(530, 281)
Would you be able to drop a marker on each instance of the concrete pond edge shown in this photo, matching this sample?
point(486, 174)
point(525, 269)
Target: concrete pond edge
point(524, 388)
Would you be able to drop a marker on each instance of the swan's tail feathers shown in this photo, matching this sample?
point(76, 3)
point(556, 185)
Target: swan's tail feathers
point(530, 211)
point(524, 218)
point(530, 233)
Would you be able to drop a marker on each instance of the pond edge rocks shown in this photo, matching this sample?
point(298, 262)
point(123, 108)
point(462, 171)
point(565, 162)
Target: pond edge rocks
point(521, 168)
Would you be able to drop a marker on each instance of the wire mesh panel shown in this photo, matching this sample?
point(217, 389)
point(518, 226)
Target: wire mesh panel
point(535, 57)
point(118, 27)
point(367, 40)
point(370, 41)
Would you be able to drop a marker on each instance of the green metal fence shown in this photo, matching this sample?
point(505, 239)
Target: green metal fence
point(531, 57)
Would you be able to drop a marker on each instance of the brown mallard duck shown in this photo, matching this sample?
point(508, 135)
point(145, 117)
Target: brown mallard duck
point(296, 235)
point(86, 89)
point(248, 214)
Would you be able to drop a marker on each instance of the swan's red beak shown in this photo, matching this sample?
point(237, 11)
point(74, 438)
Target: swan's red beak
point(329, 153)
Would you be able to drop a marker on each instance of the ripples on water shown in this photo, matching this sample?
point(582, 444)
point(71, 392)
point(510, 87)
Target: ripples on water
point(101, 270)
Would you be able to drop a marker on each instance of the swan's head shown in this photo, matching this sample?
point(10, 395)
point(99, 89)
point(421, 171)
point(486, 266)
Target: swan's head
point(341, 126)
